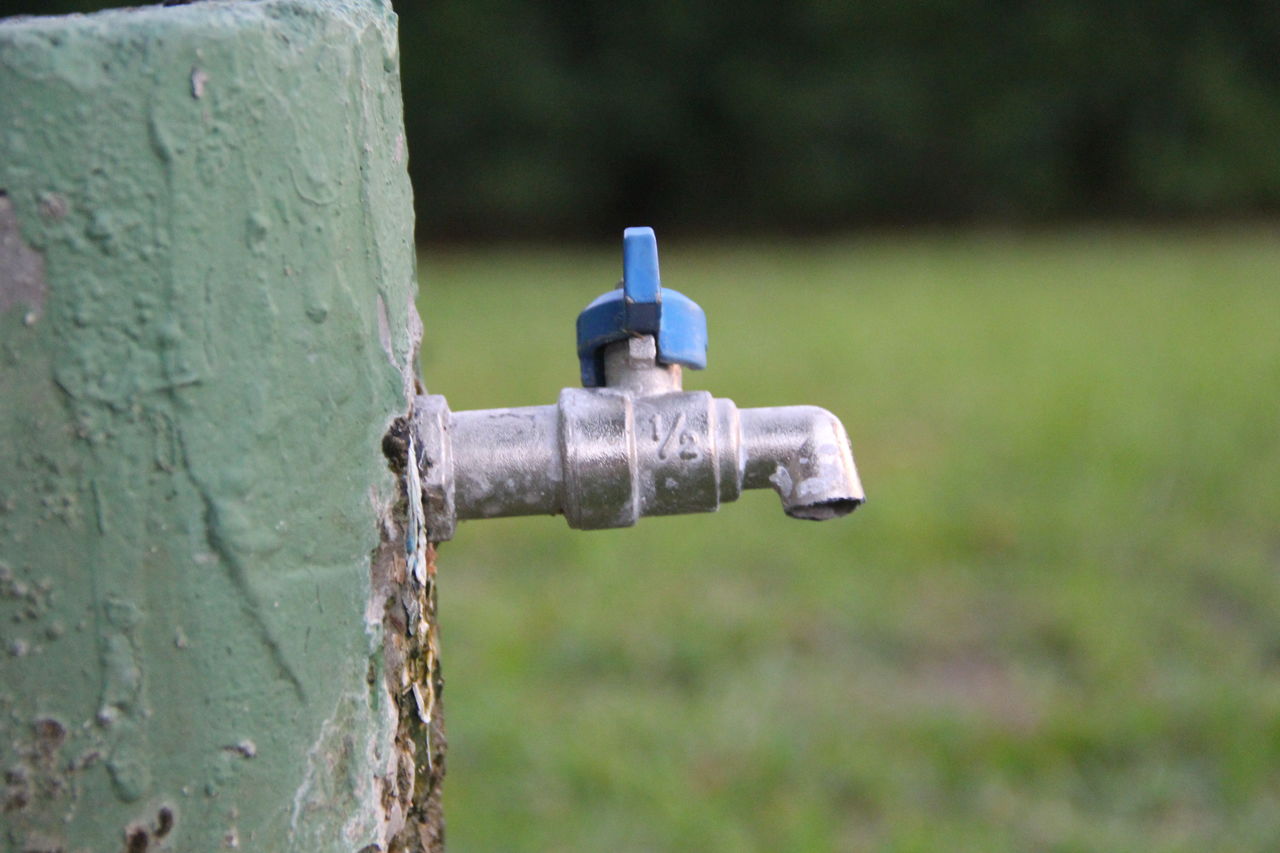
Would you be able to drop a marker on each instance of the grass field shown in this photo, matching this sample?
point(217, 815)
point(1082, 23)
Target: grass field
point(1054, 626)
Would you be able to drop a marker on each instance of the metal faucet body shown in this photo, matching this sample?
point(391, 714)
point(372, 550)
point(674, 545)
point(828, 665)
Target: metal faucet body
point(636, 445)
point(605, 457)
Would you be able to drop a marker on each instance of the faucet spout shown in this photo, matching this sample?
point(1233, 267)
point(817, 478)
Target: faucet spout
point(605, 457)
point(803, 453)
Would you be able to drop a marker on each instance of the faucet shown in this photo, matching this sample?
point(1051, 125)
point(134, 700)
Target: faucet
point(631, 442)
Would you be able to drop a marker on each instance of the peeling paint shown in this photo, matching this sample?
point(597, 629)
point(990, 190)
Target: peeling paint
point(403, 592)
point(22, 281)
point(199, 79)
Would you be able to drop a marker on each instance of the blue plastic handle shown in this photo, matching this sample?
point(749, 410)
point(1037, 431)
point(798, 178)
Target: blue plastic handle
point(640, 279)
point(640, 306)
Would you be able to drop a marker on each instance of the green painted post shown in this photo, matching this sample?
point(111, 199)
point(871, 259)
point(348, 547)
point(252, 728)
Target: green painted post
point(206, 328)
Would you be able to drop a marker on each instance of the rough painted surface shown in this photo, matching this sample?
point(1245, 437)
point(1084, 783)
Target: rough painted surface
point(210, 330)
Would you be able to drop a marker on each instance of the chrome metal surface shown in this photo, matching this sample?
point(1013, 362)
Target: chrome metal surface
point(803, 453)
point(605, 457)
point(432, 423)
point(632, 365)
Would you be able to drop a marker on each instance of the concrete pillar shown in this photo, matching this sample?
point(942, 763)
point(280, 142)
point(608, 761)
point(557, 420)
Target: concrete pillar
point(208, 635)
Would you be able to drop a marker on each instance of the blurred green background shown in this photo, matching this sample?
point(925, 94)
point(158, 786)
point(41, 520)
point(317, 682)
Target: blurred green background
point(1028, 252)
point(1053, 627)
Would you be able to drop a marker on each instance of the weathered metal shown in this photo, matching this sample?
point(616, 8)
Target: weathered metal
point(639, 446)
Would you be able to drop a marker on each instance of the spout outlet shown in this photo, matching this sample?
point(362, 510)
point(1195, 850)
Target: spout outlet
point(803, 453)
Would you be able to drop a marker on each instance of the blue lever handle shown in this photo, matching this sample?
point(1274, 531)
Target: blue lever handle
point(640, 280)
point(640, 306)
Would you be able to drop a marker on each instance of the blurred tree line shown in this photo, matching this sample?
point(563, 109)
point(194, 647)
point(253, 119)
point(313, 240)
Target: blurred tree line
point(573, 118)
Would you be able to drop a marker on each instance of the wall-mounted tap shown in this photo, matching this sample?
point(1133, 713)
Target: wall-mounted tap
point(631, 442)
